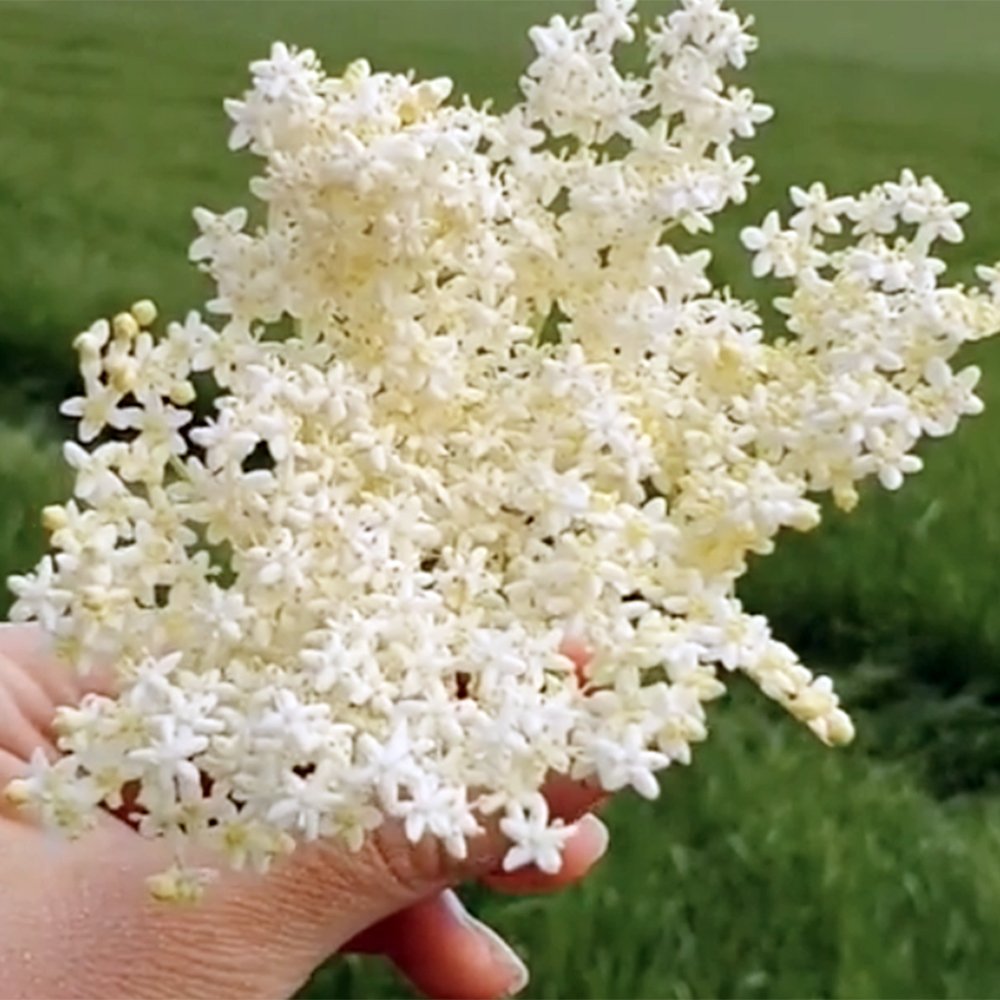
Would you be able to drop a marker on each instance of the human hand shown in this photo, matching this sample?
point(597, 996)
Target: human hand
point(76, 919)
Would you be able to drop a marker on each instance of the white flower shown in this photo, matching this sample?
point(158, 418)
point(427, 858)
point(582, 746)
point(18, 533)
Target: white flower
point(470, 408)
point(39, 596)
point(990, 275)
point(287, 73)
point(304, 802)
point(170, 751)
point(179, 885)
point(391, 764)
point(441, 812)
point(536, 840)
point(624, 761)
point(96, 482)
point(816, 209)
point(63, 798)
point(216, 231)
point(95, 411)
point(873, 212)
point(772, 247)
point(926, 205)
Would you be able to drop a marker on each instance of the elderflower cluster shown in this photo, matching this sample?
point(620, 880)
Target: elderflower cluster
point(462, 411)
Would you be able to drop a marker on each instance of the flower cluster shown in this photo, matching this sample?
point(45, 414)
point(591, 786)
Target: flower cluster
point(463, 411)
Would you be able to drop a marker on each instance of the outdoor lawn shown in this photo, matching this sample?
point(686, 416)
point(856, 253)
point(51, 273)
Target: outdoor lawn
point(772, 867)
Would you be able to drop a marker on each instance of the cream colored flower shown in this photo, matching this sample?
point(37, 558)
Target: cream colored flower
point(467, 402)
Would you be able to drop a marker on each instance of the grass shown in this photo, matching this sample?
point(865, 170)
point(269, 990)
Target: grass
point(32, 474)
point(772, 867)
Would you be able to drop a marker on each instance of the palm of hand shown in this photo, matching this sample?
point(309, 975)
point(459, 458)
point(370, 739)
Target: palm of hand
point(76, 918)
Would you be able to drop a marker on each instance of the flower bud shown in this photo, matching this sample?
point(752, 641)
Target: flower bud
point(125, 326)
point(54, 517)
point(144, 312)
point(182, 394)
point(121, 374)
point(18, 792)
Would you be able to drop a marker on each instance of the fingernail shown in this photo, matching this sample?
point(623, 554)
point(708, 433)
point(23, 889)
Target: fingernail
point(503, 951)
point(595, 836)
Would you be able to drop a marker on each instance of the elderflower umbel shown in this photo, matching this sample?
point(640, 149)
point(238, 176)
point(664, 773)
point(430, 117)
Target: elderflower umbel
point(463, 409)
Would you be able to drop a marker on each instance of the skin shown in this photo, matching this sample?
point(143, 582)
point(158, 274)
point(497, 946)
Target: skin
point(76, 920)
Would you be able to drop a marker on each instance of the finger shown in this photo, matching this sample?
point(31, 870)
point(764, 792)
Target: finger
point(32, 650)
point(582, 851)
point(445, 952)
point(569, 800)
point(422, 868)
point(31, 698)
point(18, 736)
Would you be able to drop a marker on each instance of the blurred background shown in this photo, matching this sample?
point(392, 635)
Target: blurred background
point(772, 867)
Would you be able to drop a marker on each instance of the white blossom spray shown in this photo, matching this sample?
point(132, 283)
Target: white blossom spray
point(461, 406)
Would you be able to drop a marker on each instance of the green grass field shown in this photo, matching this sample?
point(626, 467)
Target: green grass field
point(772, 867)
